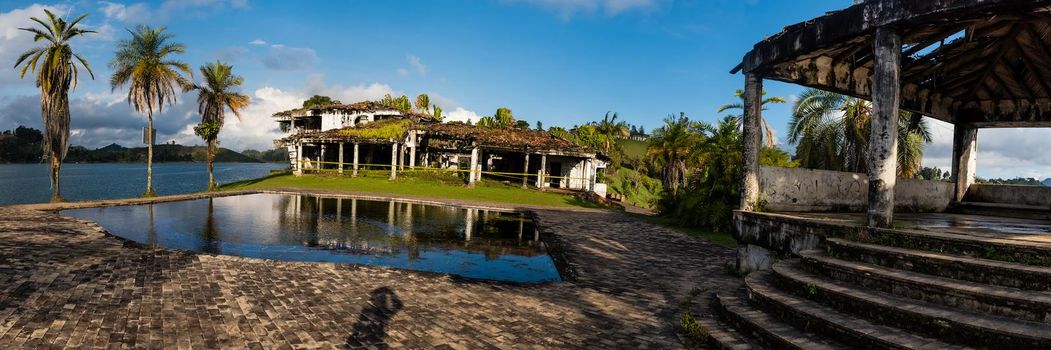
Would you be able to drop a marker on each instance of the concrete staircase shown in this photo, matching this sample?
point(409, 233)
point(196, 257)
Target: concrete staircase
point(909, 291)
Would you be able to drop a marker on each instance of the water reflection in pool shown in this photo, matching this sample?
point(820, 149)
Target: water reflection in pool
point(472, 243)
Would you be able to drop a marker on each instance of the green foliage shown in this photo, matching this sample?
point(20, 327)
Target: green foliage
point(773, 156)
point(637, 188)
point(768, 132)
point(693, 329)
point(709, 196)
point(934, 174)
point(386, 129)
point(317, 100)
point(21, 145)
point(401, 103)
point(521, 124)
point(423, 103)
point(1015, 181)
point(831, 132)
point(207, 130)
point(539, 126)
point(276, 155)
point(437, 113)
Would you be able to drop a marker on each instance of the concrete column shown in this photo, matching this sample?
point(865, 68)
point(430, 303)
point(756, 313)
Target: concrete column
point(525, 171)
point(401, 157)
point(471, 176)
point(753, 105)
point(321, 158)
point(964, 159)
point(355, 159)
point(299, 159)
point(540, 183)
point(394, 161)
point(412, 156)
point(341, 158)
point(883, 143)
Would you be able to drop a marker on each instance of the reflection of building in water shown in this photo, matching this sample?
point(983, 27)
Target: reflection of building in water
point(390, 227)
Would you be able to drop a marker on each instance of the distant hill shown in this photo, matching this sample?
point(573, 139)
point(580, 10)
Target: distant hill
point(1047, 182)
point(161, 153)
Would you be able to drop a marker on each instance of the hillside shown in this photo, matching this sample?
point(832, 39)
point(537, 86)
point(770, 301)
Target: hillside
point(161, 153)
point(632, 148)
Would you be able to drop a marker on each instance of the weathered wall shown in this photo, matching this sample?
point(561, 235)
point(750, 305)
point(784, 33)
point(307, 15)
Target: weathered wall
point(1010, 194)
point(793, 189)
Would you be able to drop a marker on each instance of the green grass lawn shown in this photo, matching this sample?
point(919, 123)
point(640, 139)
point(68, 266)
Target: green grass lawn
point(632, 148)
point(724, 239)
point(420, 185)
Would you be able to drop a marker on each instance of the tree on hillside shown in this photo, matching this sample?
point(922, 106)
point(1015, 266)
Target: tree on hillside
point(671, 146)
point(768, 137)
point(318, 100)
point(214, 97)
point(144, 63)
point(54, 65)
point(539, 126)
point(612, 130)
point(423, 103)
point(831, 131)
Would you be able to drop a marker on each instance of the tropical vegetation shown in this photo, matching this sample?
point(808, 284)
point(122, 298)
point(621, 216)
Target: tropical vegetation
point(54, 64)
point(768, 137)
point(214, 97)
point(145, 64)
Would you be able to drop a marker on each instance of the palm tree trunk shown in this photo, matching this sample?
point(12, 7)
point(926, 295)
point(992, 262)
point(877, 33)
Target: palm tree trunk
point(149, 154)
point(212, 186)
point(56, 167)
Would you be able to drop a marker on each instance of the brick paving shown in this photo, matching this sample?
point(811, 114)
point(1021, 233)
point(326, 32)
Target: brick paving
point(65, 284)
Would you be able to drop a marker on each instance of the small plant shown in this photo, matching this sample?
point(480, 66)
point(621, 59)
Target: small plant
point(693, 329)
point(811, 288)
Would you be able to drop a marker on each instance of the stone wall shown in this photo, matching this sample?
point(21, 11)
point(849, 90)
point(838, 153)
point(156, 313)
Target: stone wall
point(1037, 196)
point(794, 189)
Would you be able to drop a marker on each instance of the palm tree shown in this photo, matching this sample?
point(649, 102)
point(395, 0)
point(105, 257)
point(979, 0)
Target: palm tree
point(831, 131)
point(423, 103)
point(144, 64)
point(612, 130)
point(672, 145)
point(56, 75)
point(768, 132)
point(213, 99)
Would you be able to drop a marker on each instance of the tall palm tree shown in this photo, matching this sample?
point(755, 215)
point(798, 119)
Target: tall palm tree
point(768, 132)
point(672, 145)
point(214, 97)
point(423, 103)
point(831, 131)
point(56, 75)
point(144, 64)
point(612, 130)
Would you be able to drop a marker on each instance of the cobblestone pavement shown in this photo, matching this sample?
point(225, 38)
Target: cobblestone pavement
point(64, 283)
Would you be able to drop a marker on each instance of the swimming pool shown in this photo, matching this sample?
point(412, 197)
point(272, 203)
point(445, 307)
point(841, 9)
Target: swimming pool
point(472, 243)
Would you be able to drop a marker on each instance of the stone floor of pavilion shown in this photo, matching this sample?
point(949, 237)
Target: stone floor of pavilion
point(977, 226)
point(66, 284)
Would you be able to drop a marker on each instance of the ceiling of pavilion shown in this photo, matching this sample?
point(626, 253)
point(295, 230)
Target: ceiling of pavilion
point(980, 62)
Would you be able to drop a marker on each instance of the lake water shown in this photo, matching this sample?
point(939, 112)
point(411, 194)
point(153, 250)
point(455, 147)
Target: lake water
point(29, 183)
point(473, 243)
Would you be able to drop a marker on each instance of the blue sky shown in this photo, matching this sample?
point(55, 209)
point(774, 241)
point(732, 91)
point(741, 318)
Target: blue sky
point(562, 62)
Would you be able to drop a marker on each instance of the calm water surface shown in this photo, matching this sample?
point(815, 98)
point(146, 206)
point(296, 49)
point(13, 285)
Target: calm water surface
point(29, 183)
point(471, 243)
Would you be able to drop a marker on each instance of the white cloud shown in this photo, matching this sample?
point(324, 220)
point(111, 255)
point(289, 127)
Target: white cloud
point(257, 42)
point(315, 85)
point(134, 13)
point(1002, 153)
point(281, 57)
point(420, 68)
point(568, 8)
point(143, 12)
point(403, 72)
point(461, 115)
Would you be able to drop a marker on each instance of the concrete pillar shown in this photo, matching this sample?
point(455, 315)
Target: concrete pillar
point(341, 158)
point(412, 155)
point(471, 176)
point(401, 157)
point(883, 143)
point(355, 159)
point(299, 159)
point(321, 158)
point(540, 183)
point(753, 105)
point(525, 171)
point(964, 159)
point(394, 161)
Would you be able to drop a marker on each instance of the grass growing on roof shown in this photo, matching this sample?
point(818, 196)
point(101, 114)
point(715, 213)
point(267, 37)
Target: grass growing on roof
point(379, 130)
point(429, 185)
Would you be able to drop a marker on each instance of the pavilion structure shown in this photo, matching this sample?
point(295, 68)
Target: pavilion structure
point(972, 63)
point(957, 265)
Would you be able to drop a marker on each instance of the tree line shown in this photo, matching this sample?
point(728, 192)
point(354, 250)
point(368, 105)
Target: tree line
point(145, 64)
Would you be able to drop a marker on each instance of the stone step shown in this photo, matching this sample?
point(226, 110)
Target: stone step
point(963, 295)
point(722, 336)
point(1023, 250)
point(979, 270)
point(1003, 210)
point(764, 329)
point(843, 327)
point(945, 323)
